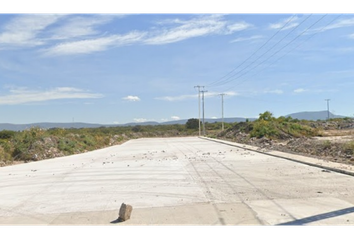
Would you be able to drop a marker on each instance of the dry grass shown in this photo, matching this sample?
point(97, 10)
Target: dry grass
point(336, 132)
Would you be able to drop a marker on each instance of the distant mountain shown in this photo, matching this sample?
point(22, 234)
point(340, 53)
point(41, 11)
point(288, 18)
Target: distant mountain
point(209, 120)
point(321, 115)
point(45, 125)
point(20, 127)
point(138, 123)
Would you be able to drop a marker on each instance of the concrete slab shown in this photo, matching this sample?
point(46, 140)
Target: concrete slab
point(312, 211)
point(193, 214)
point(176, 181)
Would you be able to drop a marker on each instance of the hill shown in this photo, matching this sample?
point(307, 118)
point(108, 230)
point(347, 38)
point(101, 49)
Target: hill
point(321, 115)
point(45, 125)
point(313, 116)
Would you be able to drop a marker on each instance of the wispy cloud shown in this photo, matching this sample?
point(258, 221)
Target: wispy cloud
point(242, 39)
point(93, 45)
point(175, 118)
point(287, 23)
point(24, 30)
point(23, 95)
point(275, 91)
point(196, 27)
point(349, 22)
point(132, 98)
point(140, 120)
point(177, 98)
point(82, 35)
point(300, 90)
point(80, 26)
point(194, 96)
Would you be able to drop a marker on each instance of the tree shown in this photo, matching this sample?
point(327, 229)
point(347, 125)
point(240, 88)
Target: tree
point(192, 123)
point(137, 128)
point(266, 116)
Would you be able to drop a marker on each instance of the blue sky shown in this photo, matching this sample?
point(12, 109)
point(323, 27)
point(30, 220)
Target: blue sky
point(119, 68)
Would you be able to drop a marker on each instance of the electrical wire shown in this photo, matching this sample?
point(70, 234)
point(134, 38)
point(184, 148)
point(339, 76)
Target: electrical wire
point(276, 44)
point(290, 19)
point(299, 35)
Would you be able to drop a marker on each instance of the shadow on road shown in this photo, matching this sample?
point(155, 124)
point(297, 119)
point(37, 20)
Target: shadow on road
point(319, 217)
point(119, 220)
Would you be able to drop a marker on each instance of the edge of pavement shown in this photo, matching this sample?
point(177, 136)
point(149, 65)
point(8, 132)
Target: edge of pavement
point(315, 162)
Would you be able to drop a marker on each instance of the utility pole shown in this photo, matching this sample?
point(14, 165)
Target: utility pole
point(199, 105)
point(203, 112)
point(327, 108)
point(222, 110)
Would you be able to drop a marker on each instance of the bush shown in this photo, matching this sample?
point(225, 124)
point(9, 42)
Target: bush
point(192, 123)
point(348, 148)
point(137, 128)
point(278, 128)
point(266, 116)
point(67, 146)
point(6, 134)
point(4, 155)
point(263, 128)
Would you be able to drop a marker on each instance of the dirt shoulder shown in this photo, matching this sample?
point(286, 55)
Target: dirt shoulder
point(335, 142)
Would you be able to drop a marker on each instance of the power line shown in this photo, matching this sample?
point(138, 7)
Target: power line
point(305, 40)
point(288, 51)
point(229, 79)
point(254, 52)
point(299, 35)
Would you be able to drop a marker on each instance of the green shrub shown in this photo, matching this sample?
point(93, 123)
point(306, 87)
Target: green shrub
point(67, 146)
point(6, 134)
point(326, 144)
point(192, 123)
point(348, 147)
point(263, 128)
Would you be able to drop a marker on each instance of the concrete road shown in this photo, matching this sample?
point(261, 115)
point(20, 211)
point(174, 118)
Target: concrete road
point(176, 181)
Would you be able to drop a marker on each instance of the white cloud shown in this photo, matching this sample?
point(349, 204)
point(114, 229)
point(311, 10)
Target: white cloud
point(24, 30)
point(338, 24)
point(175, 118)
point(132, 98)
point(177, 98)
point(240, 39)
point(213, 117)
point(94, 45)
point(195, 27)
point(140, 120)
point(23, 95)
point(80, 26)
point(290, 23)
point(300, 90)
point(238, 27)
point(276, 91)
point(194, 96)
point(80, 34)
